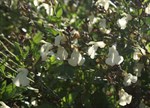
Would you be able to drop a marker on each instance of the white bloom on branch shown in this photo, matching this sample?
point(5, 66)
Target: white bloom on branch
point(129, 79)
point(21, 79)
point(47, 7)
point(122, 23)
point(59, 40)
point(113, 57)
point(92, 20)
point(138, 53)
point(62, 54)
point(147, 9)
point(125, 98)
point(46, 50)
point(3, 105)
point(36, 2)
point(103, 28)
point(103, 3)
point(76, 58)
point(92, 50)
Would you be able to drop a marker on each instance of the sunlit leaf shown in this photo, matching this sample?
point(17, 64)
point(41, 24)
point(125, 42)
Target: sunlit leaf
point(59, 12)
point(37, 38)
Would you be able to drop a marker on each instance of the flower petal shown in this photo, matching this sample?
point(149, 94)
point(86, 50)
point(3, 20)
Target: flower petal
point(122, 103)
point(134, 79)
point(110, 61)
point(76, 58)
point(118, 60)
point(100, 44)
point(21, 78)
point(57, 40)
point(92, 51)
point(3, 105)
point(81, 61)
point(62, 54)
point(128, 99)
point(122, 23)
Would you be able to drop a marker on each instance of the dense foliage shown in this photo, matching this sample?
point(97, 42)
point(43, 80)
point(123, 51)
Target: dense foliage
point(75, 53)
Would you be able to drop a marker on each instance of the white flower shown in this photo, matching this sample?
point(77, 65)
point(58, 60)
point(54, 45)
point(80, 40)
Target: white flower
point(21, 79)
point(48, 8)
point(129, 78)
point(138, 53)
point(92, 50)
point(122, 23)
point(59, 39)
point(76, 58)
point(125, 98)
point(46, 50)
point(103, 28)
point(113, 57)
point(104, 3)
point(3, 105)
point(147, 9)
point(34, 102)
point(138, 68)
point(36, 2)
point(24, 30)
point(62, 53)
point(92, 21)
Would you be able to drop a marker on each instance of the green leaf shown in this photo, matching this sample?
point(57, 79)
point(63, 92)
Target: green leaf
point(27, 49)
point(53, 19)
point(52, 31)
point(140, 11)
point(2, 88)
point(2, 69)
point(148, 47)
point(37, 38)
point(59, 12)
point(147, 20)
point(145, 1)
point(9, 92)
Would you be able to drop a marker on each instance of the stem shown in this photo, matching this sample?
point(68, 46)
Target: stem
point(6, 64)
point(7, 49)
point(6, 39)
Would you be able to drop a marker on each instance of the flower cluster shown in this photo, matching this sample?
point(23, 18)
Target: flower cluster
point(75, 59)
point(68, 49)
